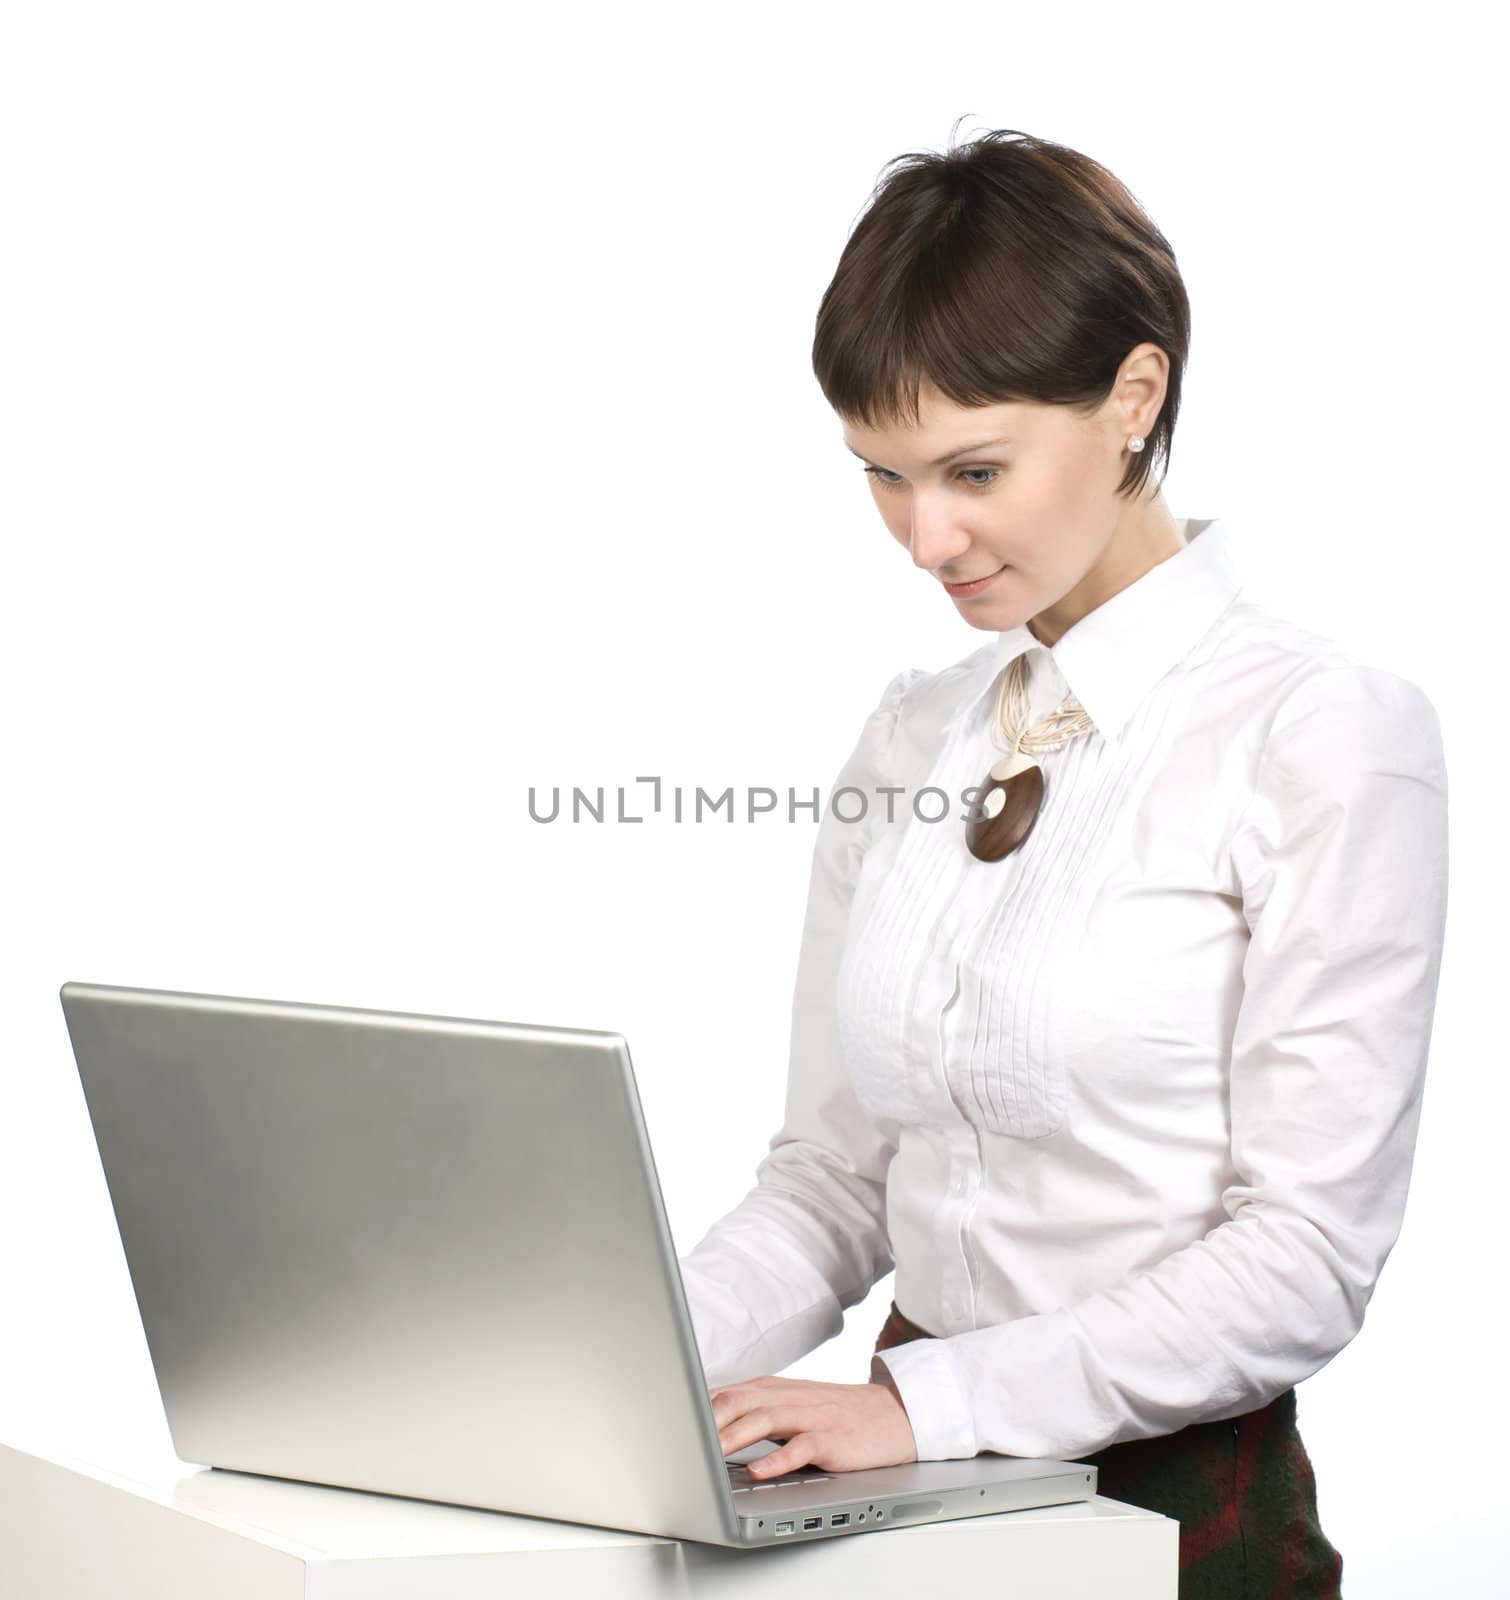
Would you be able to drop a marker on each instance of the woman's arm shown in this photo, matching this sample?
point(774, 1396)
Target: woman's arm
point(770, 1280)
point(1342, 856)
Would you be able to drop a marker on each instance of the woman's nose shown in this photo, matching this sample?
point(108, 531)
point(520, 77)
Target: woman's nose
point(935, 540)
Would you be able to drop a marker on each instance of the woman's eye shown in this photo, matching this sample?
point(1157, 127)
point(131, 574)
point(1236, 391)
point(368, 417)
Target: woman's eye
point(889, 480)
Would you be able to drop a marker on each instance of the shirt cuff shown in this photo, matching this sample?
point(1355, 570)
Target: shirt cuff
point(943, 1423)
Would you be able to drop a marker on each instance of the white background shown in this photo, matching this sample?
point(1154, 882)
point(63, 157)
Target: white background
point(402, 405)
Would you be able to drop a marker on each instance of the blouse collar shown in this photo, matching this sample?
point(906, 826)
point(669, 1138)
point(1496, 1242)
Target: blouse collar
point(1113, 656)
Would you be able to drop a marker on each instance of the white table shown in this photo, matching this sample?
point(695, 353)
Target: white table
point(156, 1529)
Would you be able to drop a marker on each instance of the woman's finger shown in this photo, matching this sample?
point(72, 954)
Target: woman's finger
point(765, 1422)
point(799, 1451)
point(740, 1399)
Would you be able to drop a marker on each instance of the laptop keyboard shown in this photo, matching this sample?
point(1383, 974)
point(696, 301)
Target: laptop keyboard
point(741, 1481)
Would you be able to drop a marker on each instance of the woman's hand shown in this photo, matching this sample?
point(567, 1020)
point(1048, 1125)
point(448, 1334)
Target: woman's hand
point(841, 1427)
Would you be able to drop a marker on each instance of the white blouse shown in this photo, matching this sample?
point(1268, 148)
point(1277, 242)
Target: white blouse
point(1131, 1111)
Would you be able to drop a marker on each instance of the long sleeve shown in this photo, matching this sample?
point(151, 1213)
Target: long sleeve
point(1341, 853)
point(770, 1280)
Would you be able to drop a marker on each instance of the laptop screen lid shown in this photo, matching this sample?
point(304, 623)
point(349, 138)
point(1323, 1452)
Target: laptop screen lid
point(418, 1255)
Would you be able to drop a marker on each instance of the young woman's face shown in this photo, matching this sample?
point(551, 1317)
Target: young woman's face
point(1031, 505)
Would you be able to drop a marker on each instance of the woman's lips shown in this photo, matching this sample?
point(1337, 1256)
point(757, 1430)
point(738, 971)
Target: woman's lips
point(976, 585)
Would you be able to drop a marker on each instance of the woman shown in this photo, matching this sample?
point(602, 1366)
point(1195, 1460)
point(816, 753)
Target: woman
point(1110, 1023)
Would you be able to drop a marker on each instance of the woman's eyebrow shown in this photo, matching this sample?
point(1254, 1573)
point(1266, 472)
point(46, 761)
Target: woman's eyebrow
point(964, 450)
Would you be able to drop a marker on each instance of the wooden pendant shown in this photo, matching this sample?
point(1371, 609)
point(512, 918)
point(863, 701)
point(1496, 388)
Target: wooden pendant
point(1006, 809)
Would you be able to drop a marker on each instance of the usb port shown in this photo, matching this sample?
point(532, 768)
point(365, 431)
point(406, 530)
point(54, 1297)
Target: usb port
point(811, 1522)
point(838, 1519)
point(783, 1527)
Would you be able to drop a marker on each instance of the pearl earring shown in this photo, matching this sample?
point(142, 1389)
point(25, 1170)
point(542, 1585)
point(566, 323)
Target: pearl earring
point(1135, 444)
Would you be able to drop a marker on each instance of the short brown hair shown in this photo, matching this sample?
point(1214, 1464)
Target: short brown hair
point(1008, 268)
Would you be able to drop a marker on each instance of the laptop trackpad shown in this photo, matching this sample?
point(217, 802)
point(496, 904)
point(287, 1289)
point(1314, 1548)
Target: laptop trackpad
point(753, 1452)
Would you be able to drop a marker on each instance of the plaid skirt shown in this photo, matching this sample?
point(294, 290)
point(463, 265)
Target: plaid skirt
point(1242, 1491)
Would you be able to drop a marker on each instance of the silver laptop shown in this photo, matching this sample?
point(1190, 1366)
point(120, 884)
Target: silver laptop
point(427, 1256)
